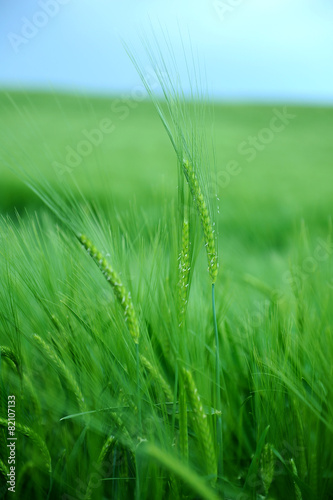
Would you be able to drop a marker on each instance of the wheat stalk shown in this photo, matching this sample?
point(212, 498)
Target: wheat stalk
point(313, 473)
point(183, 430)
point(211, 251)
point(303, 469)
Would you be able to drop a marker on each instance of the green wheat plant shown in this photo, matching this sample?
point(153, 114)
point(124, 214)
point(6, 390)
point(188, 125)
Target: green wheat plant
point(192, 151)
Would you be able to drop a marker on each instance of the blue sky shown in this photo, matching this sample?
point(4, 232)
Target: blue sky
point(278, 50)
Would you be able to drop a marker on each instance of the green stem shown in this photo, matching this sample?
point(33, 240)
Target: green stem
point(137, 482)
point(137, 469)
point(183, 432)
point(138, 386)
point(219, 435)
point(175, 392)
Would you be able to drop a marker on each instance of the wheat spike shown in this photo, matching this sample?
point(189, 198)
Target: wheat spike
point(107, 447)
point(184, 273)
point(51, 355)
point(298, 493)
point(122, 295)
point(35, 438)
point(267, 467)
point(200, 420)
point(30, 395)
point(120, 426)
point(206, 223)
point(7, 352)
point(157, 376)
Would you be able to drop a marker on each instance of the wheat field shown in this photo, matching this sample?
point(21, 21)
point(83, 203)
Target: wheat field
point(153, 387)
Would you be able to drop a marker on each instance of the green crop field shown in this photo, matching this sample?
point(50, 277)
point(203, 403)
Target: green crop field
point(120, 376)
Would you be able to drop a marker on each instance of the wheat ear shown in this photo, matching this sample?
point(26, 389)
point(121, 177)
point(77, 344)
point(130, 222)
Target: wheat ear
point(35, 438)
point(298, 493)
point(122, 295)
point(30, 394)
point(51, 355)
point(125, 300)
point(157, 376)
point(184, 273)
point(204, 216)
point(267, 467)
point(107, 447)
point(200, 420)
point(8, 353)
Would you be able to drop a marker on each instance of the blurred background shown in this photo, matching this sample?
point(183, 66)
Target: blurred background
point(253, 49)
point(73, 105)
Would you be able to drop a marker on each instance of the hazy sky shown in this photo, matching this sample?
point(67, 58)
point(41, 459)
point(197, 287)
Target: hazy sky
point(252, 49)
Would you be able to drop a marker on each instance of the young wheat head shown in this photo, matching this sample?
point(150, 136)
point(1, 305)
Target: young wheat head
point(122, 295)
point(205, 219)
